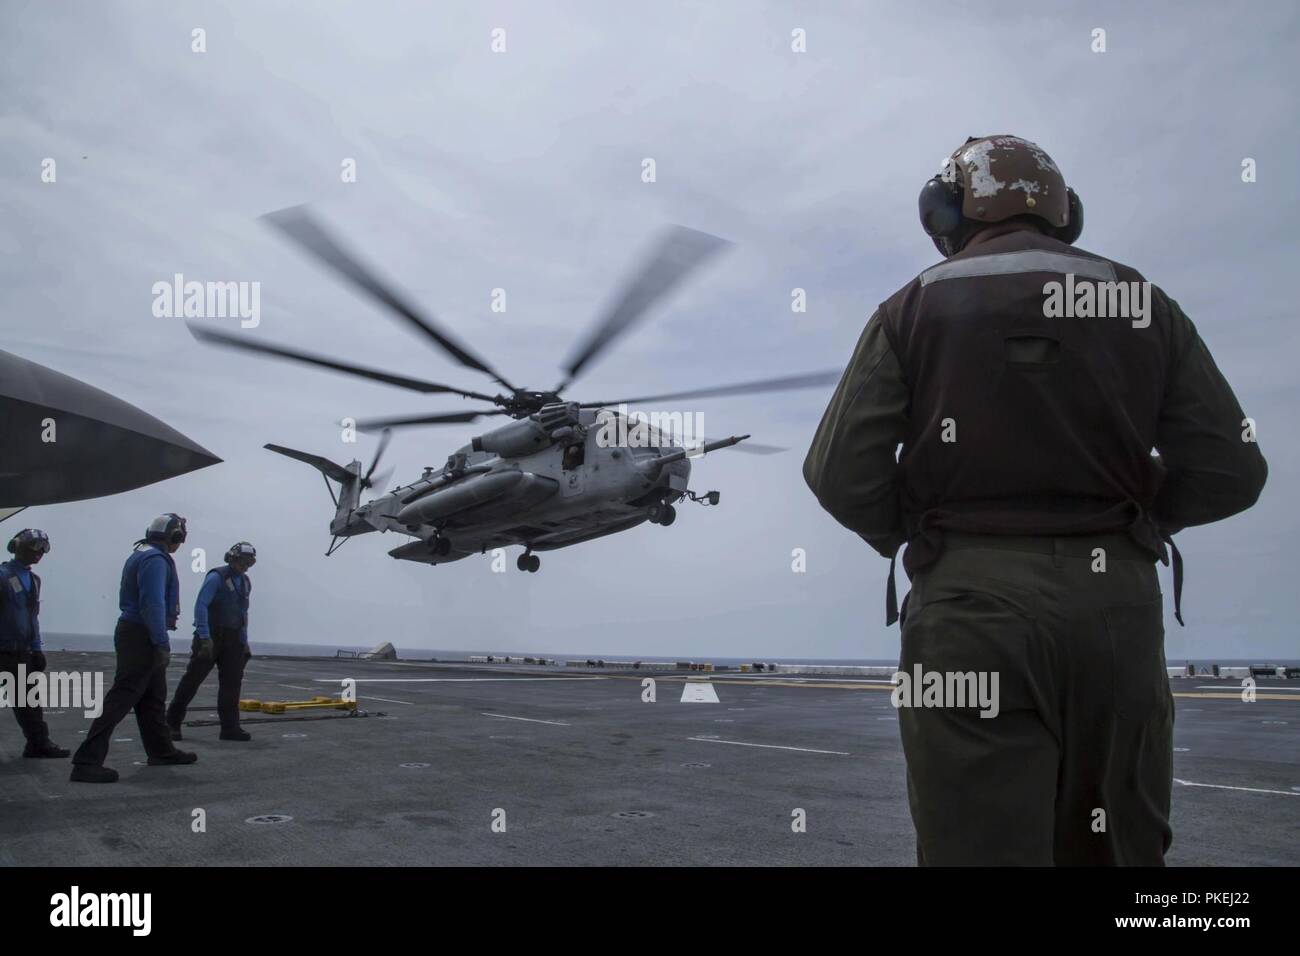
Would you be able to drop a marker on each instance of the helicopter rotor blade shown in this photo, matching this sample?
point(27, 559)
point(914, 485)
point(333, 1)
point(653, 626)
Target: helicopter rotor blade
point(228, 340)
point(298, 225)
point(680, 251)
point(384, 438)
point(784, 383)
point(380, 479)
point(444, 418)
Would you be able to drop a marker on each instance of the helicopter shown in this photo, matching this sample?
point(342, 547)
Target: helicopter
point(560, 472)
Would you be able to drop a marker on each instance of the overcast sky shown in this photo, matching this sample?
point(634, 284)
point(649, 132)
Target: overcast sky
point(522, 170)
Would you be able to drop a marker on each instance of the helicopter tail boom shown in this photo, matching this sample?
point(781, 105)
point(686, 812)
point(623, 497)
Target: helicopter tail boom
point(350, 484)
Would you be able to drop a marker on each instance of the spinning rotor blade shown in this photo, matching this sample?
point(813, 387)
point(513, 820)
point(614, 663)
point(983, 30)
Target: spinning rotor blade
point(384, 439)
point(228, 340)
point(445, 418)
point(679, 252)
point(810, 380)
point(298, 225)
point(753, 448)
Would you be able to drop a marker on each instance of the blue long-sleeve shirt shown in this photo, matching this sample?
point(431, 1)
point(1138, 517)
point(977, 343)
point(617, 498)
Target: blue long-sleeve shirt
point(207, 594)
point(150, 593)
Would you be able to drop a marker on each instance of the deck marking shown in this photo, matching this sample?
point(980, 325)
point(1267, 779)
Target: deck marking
point(699, 692)
point(443, 680)
point(741, 743)
point(1222, 786)
point(1236, 695)
point(531, 720)
point(389, 700)
point(1268, 687)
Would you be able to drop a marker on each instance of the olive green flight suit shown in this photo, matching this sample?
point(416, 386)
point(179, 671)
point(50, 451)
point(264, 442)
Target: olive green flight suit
point(1032, 541)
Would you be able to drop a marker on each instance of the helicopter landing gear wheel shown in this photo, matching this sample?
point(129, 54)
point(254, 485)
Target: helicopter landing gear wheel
point(441, 546)
point(529, 562)
point(662, 513)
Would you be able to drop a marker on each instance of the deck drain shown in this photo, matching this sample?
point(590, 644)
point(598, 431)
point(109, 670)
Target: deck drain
point(270, 818)
point(414, 766)
point(697, 766)
point(632, 814)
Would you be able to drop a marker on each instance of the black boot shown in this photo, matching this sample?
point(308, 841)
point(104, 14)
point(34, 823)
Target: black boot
point(175, 757)
point(236, 734)
point(176, 731)
point(86, 773)
point(44, 748)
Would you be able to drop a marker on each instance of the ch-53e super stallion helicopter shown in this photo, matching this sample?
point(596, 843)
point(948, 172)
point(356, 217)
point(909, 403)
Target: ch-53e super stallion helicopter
point(546, 480)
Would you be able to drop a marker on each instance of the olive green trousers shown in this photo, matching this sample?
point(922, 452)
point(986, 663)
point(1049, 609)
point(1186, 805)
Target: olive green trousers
point(1075, 767)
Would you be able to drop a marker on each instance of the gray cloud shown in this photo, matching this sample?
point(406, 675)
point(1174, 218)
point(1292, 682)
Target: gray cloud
point(521, 171)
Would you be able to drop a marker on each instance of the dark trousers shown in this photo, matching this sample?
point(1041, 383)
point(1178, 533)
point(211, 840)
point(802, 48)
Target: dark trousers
point(138, 685)
point(30, 719)
point(1077, 767)
point(228, 656)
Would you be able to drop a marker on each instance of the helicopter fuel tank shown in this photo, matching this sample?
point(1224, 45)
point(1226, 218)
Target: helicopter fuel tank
point(504, 487)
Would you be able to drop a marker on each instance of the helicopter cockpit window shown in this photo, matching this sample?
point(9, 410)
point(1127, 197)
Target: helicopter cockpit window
point(574, 456)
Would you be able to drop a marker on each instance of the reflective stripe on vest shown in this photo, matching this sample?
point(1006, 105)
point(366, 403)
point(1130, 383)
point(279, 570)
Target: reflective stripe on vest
point(1026, 260)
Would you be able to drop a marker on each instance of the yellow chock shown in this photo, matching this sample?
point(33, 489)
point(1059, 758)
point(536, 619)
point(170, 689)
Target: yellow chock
point(316, 703)
point(249, 704)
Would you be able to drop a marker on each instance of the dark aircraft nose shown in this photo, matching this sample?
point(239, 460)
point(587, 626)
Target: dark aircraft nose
point(101, 445)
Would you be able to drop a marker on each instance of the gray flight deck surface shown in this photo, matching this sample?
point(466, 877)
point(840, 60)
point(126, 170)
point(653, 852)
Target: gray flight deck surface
point(585, 772)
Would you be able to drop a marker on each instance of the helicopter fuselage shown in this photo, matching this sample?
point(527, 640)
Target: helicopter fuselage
point(540, 484)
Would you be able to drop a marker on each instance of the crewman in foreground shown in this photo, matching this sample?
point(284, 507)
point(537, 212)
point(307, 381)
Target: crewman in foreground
point(20, 634)
point(220, 639)
point(1028, 383)
point(149, 598)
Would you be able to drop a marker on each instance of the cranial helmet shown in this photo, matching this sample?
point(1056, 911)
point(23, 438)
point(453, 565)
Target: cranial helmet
point(166, 529)
point(990, 179)
point(242, 550)
point(30, 539)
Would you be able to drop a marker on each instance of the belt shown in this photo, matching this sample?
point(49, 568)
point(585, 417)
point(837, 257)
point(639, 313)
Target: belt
point(1116, 544)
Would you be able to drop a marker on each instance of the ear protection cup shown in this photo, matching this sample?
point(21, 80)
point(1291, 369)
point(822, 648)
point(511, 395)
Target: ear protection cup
point(1071, 230)
point(13, 545)
point(169, 528)
point(939, 206)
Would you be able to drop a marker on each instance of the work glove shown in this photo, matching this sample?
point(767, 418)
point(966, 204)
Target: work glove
point(38, 661)
point(162, 656)
point(201, 649)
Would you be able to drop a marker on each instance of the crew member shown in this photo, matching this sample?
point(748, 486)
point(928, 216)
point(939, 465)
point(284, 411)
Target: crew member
point(1028, 383)
point(20, 634)
point(220, 638)
point(149, 598)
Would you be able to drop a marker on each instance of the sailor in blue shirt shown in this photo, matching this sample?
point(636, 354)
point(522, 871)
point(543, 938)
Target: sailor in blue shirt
point(149, 598)
point(20, 633)
point(220, 640)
